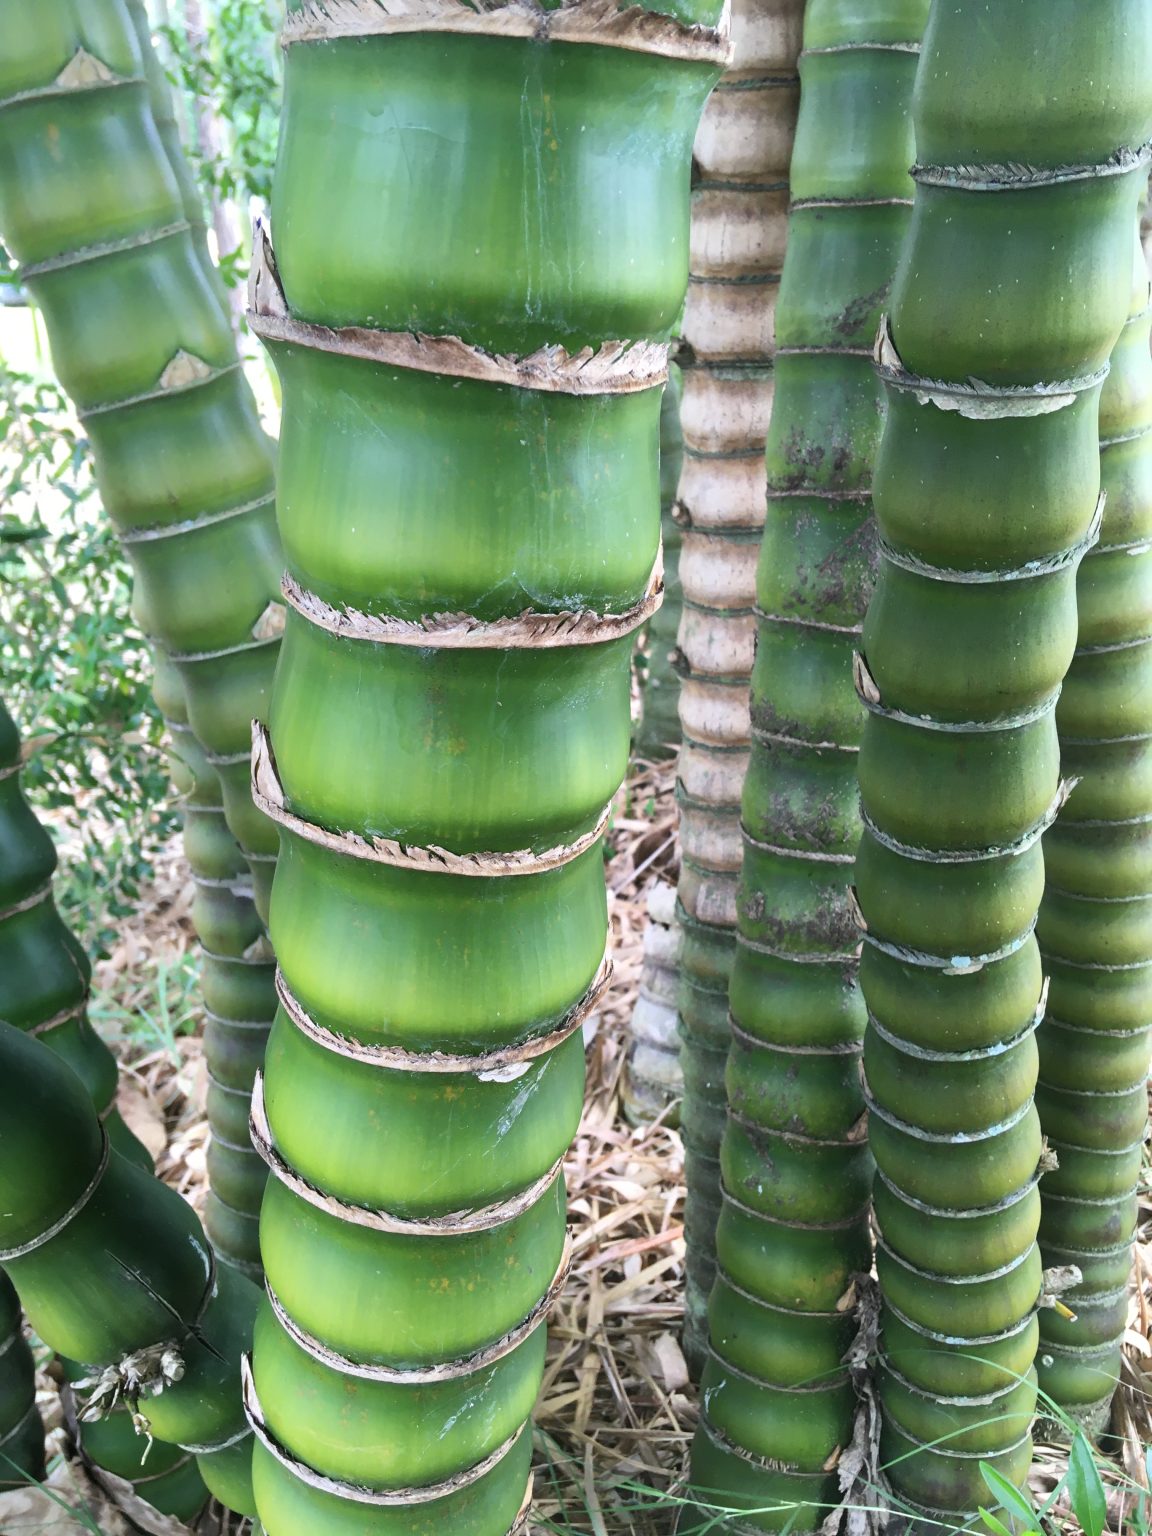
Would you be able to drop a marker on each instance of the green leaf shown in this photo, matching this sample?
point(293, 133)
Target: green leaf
point(994, 1523)
point(1086, 1487)
point(1009, 1498)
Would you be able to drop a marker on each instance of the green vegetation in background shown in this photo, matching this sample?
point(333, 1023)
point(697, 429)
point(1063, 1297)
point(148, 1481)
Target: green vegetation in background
point(76, 674)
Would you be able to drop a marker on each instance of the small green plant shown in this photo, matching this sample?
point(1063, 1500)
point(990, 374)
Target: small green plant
point(168, 1012)
point(1083, 1487)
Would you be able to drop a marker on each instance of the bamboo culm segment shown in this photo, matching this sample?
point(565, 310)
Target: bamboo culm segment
point(113, 1270)
point(439, 908)
point(779, 1401)
point(44, 980)
point(1011, 293)
point(659, 732)
point(1093, 931)
point(44, 972)
point(21, 1427)
point(739, 231)
point(97, 202)
point(652, 1078)
point(237, 979)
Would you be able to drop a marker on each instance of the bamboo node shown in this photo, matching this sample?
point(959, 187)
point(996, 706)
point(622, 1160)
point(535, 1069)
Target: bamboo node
point(504, 1064)
point(451, 1224)
point(357, 1493)
point(1019, 176)
point(973, 398)
point(84, 69)
point(600, 22)
point(184, 368)
point(445, 1370)
point(58, 1226)
point(1043, 565)
point(268, 794)
point(616, 367)
point(529, 629)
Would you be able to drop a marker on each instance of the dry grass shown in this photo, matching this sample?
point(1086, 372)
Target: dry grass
point(616, 1412)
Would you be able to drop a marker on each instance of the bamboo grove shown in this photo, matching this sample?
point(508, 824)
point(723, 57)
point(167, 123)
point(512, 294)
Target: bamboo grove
point(98, 206)
point(777, 1397)
point(917, 405)
point(739, 226)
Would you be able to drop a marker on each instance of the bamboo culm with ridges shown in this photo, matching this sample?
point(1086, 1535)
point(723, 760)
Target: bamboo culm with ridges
point(1011, 293)
point(658, 735)
point(471, 348)
point(44, 982)
point(21, 1427)
point(113, 1269)
point(652, 1079)
point(97, 203)
point(739, 229)
point(44, 972)
point(237, 982)
point(1095, 931)
point(778, 1399)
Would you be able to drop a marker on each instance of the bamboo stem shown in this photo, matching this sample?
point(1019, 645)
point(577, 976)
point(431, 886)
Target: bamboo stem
point(113, 1269)
point(739, 229)
point(793, 1241)
point(469, 505)
point(1011, 294)
point(1094, 933)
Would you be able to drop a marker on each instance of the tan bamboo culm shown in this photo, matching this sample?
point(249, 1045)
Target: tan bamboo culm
point(739, 231)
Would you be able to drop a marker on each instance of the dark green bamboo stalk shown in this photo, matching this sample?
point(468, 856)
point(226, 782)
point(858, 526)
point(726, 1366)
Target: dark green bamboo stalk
point(469, 503)
point(21, 1427)
point(113, 1269)
point(659, 732)
point(44, 973)
point(1030, 119)
point(44, 977)
point(739, 230)
point(652, 1078)
point(238, 982)
point(1095, 928)
point(97, 204)
point(778, 1399)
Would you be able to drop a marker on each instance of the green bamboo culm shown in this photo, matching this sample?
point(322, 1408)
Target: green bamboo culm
point(44, 972)
point(21, 1427)
point(652, 1079)
point(739, 232)
point(237, 980)
point(1012, 290)
point(99, 207)
point(113, 1269)
point(659, 731)
point(471, 344)
point(44, 982)
point(1095, 928)
point(778, 1398)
